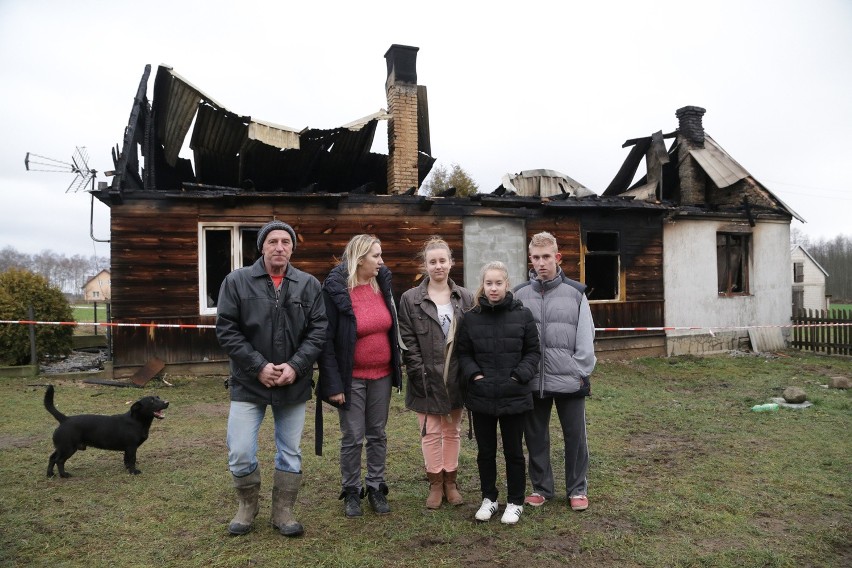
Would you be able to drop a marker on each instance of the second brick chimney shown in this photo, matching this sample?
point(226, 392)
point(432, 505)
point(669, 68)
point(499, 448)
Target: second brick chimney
point(690, 135)
point(401, 88)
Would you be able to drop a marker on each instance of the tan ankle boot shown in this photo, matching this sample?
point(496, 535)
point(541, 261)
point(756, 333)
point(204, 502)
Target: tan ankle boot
point(451, 488)
point(436, 490)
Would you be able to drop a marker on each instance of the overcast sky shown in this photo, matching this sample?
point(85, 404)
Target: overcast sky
point(511, 87)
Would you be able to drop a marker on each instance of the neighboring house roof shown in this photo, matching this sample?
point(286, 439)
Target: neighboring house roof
point(86, 283)
point(804, 250)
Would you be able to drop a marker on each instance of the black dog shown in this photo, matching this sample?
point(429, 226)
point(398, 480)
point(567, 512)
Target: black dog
point(121, 432)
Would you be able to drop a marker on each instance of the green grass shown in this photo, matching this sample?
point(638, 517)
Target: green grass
point(682, 474)
point(86, 313)
point(840, 307)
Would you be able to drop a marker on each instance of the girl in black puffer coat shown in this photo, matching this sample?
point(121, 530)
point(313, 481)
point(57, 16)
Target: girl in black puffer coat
point(498, 350)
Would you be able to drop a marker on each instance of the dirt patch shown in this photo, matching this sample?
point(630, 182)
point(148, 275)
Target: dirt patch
point(8, 442)
point(210, 409)
point(663, 449)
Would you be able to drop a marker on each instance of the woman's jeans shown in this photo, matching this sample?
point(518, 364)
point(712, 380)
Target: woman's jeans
point(365, 420)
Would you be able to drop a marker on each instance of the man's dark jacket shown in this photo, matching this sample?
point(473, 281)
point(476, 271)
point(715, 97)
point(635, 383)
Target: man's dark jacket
point(256, 326)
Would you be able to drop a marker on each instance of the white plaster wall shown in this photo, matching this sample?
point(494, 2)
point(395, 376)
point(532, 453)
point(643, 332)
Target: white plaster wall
point(689, 272)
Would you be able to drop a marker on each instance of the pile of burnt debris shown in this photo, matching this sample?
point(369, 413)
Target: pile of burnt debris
point(77, 361)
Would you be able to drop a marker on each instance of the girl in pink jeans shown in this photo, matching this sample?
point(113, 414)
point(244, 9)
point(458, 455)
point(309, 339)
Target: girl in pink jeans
point(428, 316)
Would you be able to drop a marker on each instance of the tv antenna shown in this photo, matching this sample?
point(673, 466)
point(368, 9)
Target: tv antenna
point(79, 165)
point(83, 174)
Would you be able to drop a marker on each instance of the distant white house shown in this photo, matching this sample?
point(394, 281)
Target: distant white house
point(97, 288)
point(808, 281)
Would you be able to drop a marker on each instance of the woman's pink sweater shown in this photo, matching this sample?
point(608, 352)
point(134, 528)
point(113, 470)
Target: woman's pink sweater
point(373, 322)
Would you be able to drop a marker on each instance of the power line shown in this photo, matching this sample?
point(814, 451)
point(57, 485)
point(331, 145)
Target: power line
point(812, 187)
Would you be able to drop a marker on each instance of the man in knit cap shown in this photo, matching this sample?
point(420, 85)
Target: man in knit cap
point(272, 324)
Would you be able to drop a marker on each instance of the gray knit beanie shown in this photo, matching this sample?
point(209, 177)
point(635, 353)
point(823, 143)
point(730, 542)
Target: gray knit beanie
point(274, 226)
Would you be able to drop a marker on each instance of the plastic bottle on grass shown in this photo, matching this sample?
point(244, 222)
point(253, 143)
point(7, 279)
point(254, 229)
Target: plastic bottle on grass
point(770, 407)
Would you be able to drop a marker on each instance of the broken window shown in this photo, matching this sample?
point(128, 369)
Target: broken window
point(223, 249)
point(798, 272)
point(602, 265)
point(732, 262)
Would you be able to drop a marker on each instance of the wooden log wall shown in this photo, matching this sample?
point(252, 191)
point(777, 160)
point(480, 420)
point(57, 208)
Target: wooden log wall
point(155, 255)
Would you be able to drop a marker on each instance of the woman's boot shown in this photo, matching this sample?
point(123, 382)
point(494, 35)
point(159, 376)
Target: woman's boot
point(248, 488)
point(284, 493)
point(436, 490)
point(451, 488)
point(351, 501)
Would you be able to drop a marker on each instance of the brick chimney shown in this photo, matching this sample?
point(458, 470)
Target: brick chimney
point(690, 136)
point(401, 89)
point(689, 124)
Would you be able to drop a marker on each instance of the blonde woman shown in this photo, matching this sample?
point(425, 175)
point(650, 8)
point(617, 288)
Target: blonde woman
point(359, 365)
point(428, 316)
point(498, 350)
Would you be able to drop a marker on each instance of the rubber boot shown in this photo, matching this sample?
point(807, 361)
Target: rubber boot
point(436, 490)
point(285, 489)
point(248, 488)
point(451, 488)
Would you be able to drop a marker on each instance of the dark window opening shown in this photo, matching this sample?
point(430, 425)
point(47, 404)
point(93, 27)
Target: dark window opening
point(732, 263)
point(602, 266)
point(798, 272)
point(217, 248)
point(249, 246)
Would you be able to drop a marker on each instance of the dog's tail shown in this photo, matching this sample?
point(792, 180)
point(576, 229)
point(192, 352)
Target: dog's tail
point(48, 404)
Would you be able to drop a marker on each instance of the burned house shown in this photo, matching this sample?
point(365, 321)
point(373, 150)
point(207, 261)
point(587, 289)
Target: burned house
point(726, 239)
point(178, 226)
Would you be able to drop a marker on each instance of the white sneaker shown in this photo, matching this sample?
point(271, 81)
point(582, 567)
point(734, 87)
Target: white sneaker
point(486, 510)
point(512, 514)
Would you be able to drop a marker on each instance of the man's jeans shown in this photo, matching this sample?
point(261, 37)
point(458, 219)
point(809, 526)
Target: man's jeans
point(244, 421)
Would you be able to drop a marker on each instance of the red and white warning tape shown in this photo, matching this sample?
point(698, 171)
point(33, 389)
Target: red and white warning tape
point(114, 324)
point(710, 329)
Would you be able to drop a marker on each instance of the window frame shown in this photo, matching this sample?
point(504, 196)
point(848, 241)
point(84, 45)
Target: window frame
point(798, 272)
point(620, 282)
point(744, 247)
point(236, 230)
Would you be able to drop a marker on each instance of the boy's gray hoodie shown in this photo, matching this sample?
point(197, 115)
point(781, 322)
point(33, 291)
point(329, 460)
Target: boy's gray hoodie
point(567, 334)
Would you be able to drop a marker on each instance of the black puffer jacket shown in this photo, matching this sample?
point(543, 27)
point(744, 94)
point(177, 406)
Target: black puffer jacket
point(501, 343)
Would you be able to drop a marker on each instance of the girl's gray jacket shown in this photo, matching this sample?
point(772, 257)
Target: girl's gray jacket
point(428, 390)
point(567, 332)
point(256, 326)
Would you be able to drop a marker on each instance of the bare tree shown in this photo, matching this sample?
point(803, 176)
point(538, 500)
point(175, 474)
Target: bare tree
point(66, 273)
point(835, 256)
point(441, 180)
